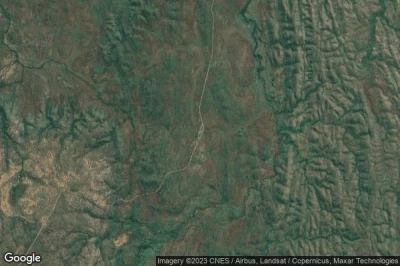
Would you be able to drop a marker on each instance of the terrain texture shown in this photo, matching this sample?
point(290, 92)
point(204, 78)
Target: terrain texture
point(131, 129)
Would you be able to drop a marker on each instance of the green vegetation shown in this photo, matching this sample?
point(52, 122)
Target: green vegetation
point(99, 118)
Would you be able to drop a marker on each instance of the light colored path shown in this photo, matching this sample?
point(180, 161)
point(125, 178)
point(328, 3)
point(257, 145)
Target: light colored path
point(44, 224)
point(201, 128)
